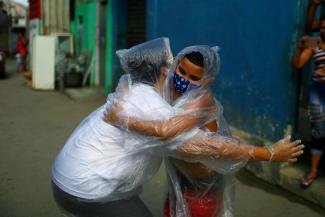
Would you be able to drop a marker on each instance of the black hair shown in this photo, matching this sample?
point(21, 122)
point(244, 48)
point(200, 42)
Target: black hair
point(196, 58)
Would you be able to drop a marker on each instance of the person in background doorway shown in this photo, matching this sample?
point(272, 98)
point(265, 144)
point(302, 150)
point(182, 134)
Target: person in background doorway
point(21, 53)
point(312, 24)
point(316, 96)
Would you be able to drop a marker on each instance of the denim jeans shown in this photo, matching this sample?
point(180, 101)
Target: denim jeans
point(316, 112)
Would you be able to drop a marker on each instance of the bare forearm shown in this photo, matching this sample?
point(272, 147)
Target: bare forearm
point(232, 149)
point(226, 148)
point(260, 154)
point(148, 128)
point(194, 114)
point(163, 129)
point(301, 57)
point(296, 58)
point(311, 23)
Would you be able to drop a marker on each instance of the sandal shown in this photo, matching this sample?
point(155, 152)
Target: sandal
point(307, 180)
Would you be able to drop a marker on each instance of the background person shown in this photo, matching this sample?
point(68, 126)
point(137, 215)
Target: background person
point(316, 99)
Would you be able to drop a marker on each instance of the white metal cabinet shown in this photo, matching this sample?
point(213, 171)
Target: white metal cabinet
point(43, 62)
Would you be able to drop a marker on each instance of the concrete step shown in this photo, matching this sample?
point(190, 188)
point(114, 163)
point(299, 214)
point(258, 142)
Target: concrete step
point(288, 177)
point(84, 93)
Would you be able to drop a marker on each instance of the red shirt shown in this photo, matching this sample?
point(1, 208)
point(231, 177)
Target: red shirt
point(21, 47)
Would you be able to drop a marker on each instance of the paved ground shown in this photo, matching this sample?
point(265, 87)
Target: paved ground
point(34, 126)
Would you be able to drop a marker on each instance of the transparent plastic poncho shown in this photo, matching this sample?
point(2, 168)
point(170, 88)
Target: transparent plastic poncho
point(104, 162)
point(201, 179)
point(200, 163)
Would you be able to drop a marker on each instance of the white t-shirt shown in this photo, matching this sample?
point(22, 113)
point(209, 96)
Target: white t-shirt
point(103, 162)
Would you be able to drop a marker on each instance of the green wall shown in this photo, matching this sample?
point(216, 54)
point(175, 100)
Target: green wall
point(87, 9)
point(109, 49)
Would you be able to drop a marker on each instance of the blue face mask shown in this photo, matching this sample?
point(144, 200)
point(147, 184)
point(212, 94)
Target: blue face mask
point(182, 85)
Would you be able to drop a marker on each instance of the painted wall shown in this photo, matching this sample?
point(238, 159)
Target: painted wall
point(55, 16)
point(109, 49)
point(87, 10)
point(256, 84)
point(119, 36)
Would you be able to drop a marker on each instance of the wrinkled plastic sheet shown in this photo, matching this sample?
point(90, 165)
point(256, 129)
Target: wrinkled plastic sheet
point(144, 121)
point(200, 164)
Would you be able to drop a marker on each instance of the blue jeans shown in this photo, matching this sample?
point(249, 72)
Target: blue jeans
point(316, 112)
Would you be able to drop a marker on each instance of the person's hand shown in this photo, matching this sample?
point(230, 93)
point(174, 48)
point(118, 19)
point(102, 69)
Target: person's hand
point(112, 116)
point(317, 2)
point(286, 151)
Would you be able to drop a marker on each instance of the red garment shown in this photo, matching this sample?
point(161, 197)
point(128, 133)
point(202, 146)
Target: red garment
point(21, 47)
point(209, 205)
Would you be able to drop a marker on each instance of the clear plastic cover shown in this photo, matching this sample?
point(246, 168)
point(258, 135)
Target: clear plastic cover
point(200, 154)
point(200, 163)
point(149, 116)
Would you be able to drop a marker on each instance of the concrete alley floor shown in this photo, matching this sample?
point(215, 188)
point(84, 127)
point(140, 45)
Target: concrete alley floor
point(33, 128)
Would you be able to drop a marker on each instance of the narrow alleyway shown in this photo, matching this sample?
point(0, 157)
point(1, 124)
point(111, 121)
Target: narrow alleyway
point(34, 126)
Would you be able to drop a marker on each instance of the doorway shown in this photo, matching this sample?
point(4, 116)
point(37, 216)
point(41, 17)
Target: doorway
point(102, 42)
point(136, 33)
